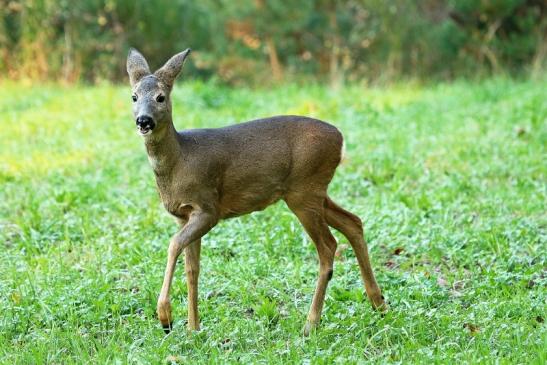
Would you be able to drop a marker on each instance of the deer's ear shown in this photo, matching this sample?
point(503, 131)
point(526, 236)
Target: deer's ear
point(137, 67)
point(169, 72)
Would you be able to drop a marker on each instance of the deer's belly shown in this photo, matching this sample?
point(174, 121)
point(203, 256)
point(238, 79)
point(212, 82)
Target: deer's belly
point(247, 201)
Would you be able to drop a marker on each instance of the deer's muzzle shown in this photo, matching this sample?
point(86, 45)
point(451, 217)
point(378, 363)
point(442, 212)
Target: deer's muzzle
point(145, 124)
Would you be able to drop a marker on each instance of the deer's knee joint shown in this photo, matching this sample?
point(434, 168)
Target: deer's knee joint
point(356, 222)
point(329, 274)
point(358, 226)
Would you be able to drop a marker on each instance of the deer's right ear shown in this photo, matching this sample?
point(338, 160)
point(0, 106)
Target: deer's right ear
point(137, 67)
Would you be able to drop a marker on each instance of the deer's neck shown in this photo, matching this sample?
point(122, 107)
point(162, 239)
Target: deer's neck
point(164, 151)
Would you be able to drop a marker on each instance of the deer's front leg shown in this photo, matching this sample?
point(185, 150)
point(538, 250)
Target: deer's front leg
point(198, 225)
point(192, 275)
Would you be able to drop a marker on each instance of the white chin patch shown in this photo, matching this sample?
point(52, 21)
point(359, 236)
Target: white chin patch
point(144, 132)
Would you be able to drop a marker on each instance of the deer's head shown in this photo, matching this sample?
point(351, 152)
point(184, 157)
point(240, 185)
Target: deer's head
point(151, 91)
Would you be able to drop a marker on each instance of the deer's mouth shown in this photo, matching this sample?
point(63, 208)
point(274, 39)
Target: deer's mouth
point(143, 131)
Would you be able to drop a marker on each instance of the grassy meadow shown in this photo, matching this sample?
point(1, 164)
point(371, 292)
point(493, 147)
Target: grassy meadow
point(450, 180)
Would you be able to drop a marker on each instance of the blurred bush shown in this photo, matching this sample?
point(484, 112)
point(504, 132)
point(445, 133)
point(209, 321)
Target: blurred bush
point(254, 41)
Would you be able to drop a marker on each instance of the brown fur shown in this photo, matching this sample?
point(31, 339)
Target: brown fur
point(205, 175)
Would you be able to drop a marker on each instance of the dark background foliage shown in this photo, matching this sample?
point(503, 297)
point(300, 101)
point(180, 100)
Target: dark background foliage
point(253, 41)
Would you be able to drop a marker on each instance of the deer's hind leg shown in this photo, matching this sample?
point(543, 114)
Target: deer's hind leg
point(310, 212)
point(351, 226)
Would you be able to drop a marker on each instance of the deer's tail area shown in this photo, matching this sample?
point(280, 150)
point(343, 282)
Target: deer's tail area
point(343, 156)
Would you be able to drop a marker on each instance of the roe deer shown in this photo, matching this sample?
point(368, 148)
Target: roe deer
point(205, 175)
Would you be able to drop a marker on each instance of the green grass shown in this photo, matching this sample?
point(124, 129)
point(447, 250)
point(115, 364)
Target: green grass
point(449, 180)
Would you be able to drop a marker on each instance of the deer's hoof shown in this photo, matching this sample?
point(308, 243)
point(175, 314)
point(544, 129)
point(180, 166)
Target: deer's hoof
point(380, 304)
point(166, 328)
point(164, 315)
point(310, 327)
point(193, 327)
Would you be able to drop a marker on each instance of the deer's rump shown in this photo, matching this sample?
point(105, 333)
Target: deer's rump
point(263, 160)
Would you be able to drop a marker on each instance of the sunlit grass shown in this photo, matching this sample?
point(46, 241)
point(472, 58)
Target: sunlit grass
point(449, 179)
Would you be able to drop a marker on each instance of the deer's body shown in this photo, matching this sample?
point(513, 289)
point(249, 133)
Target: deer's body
point(228, 164)
point(205, 175)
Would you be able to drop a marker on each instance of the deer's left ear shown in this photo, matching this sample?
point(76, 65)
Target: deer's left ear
point(169, 72)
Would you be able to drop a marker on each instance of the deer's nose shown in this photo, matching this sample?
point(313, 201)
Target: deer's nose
point(144, 121)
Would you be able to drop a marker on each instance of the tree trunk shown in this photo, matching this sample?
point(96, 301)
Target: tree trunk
point(68, 62)
point(335, 74)
point(277, 71)
point(275, 65)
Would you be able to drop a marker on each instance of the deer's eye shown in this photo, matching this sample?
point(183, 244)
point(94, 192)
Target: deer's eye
point(160, 99)
point(134, 97)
